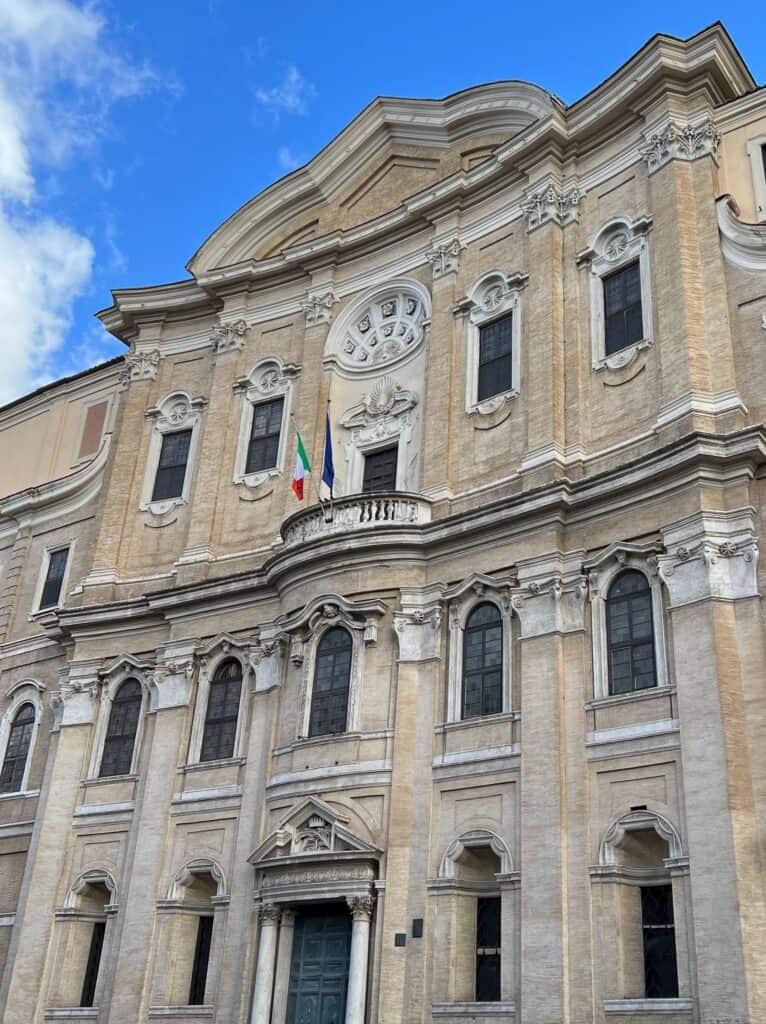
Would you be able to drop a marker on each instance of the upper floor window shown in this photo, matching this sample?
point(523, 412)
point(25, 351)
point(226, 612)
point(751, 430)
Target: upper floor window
point(493, 307)
point(176, 423)
point(263, 449)
point(17, 750)
point(117, 756)
point(483, 662)
point(54, 578)
point(630, 633)
point(495, 369)
point(620, 292)
point(171, 468)
point(623, 324)
point(220, 730)
point(332, 677)
point(380, 469)
point(756, 151)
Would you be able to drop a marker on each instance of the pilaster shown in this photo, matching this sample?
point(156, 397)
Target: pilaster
point(709, 569)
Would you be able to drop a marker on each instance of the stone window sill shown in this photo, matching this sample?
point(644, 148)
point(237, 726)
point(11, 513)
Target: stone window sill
point(467, 723)
point(21, 794)
point(181, 1012)
point(650, 693)
point(625, 1007)
point(107, 779)
point(201, 766)
point(505, 1008)
point(71, 1013)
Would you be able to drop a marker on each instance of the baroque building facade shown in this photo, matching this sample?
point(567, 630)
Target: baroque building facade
point(482, 738)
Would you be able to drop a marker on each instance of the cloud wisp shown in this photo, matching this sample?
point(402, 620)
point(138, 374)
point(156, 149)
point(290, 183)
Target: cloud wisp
point(291, 96)
point(59, 79)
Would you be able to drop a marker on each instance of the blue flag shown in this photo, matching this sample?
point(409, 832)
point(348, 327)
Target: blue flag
point(328, 470)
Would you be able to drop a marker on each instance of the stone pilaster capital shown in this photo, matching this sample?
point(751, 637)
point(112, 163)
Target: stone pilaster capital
point(550, 597)
point(550, 200)
point(141, 365)
point(361, 907)
point(444, 258)
point(229, 336)
point(418, 631)
point(710, 555)
point(317, 307)
point(266, 660)
point(269, 915)
point(676, 140)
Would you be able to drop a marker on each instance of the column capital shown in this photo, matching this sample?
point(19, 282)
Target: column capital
point(269, 914)
point(675, 140)
point(710, 554)
point(418, 631)
point(550, 200)
point(361, 907)
point(551, 594)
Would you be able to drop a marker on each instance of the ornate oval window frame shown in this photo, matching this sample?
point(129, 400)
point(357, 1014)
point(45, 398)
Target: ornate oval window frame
point(383, 328)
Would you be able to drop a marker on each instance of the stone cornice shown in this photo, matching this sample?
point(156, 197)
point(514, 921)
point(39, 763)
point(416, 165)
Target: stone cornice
point(743, 244)
point(694, 458)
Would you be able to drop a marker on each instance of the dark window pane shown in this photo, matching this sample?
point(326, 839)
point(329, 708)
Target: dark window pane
point(263, 448)
point(332, 676)
point(488, 943)
point(93, 964)
point(380, 470)
point(121, 730)
point(630, 633)
point(171, 469)
point(17, 750)
point(660, 967)
point(483, 662)
point(495, 342)
point(623, 318)
point(54, 578)
point(222, 712)
point(201, 960)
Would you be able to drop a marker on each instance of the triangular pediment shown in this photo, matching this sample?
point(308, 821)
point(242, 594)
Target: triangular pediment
point(312, 829)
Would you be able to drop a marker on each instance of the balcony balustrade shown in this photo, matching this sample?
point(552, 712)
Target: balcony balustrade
point(358, 512)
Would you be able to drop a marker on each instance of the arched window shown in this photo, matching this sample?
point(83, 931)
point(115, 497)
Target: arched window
point(483, 662)
point(117, 756)
point(220, 732)
point(332, 674)
point(17, 749)
point(630, 633)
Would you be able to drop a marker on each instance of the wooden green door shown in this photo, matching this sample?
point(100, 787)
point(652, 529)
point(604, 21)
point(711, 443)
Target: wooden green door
point(319, 969)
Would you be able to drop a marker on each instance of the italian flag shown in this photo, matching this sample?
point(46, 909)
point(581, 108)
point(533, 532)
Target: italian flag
point(302, 467)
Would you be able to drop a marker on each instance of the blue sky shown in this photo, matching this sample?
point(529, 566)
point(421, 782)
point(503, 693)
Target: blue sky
point(130, 129)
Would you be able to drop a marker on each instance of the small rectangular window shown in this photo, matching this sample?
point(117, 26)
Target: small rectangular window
point(495, 342)
point(380, 470)
point(201, 960)
point(93, 964)
point(171, 469)
point(660, 968)
point(54, 578)
point(763, 160)
point(623, 316)
point(488, 943)
point(263, 449)
point(93, 429)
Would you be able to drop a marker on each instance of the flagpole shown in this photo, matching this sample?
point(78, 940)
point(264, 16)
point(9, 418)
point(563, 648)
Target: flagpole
point(311, 469)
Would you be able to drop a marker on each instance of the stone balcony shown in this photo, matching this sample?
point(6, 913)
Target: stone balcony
point(357, 513)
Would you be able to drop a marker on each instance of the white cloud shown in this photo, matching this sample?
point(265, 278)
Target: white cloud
point(288, 160)
point(59, 78)
point(292, 95)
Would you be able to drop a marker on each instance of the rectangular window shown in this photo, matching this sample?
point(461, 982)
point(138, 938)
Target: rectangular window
point(201, 959)
point(495, 340)
point(763, 160)
point(623, 317)
point(93, 429)
point(660, 968)
point(380, 470)
point(93, 964)
point(488, 949)
point(171, 469)
point(54, 578)
point(263, 449)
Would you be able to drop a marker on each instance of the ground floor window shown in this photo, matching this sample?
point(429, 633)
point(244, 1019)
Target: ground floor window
point(660, 967)
point(488, 943)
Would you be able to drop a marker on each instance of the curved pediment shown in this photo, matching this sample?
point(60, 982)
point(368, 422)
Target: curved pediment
point(394, 149)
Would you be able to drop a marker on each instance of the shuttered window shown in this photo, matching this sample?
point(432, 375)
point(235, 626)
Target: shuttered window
point(171, 468)
point(623, 317)
point(263, 448)
point(380, 470)
point(495, 342)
